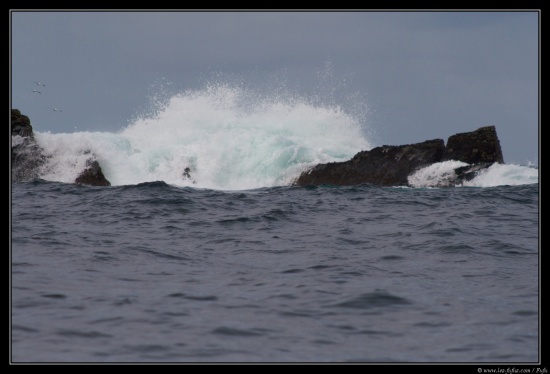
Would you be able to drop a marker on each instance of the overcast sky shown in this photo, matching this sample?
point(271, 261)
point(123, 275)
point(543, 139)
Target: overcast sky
point(422, 75)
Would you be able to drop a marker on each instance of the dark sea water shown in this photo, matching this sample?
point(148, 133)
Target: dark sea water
point(157, 273)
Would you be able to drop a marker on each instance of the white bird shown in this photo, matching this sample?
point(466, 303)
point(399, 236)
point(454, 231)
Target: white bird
point(40, 84)
point(36, 91)
point(56, 110)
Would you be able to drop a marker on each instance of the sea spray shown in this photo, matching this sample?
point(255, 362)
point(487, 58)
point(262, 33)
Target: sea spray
point(229, 137)
point(435, 175)
point(222, 137)
point(443, 174)
point(505, 174)
point(67, 153)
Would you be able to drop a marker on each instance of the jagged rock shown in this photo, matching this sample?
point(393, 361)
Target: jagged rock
point(92, 175)
point(26, 155)
point(476, 147)
point(392, 165)
point(20, 124)
point(28, 159)
point(383, 166)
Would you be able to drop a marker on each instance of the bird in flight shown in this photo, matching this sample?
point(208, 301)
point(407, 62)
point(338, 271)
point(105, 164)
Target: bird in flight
point(56, 110)
point(36, 91)
point(40, 84)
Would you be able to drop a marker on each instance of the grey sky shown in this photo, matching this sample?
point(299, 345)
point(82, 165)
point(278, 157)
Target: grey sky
point(423, 75)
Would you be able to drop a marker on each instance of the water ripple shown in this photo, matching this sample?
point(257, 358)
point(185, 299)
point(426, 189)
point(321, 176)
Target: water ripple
point(236, 332)
point(375, 299)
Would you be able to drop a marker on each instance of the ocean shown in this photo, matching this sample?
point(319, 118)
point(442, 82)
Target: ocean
point(201, 250)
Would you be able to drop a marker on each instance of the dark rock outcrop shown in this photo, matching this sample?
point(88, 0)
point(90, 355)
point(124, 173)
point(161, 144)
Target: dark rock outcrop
point(28, 159)
point(27, 156)
point(392, 165)
point(476, 147)
point(384, 166)
point(92, 175)
point(20, 124)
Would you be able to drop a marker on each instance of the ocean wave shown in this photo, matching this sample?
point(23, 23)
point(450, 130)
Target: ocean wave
point(221, 137)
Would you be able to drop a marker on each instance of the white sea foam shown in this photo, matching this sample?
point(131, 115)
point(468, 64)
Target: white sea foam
point(227, 136)
point(435, 175)
point(442, 174)
point(505, 174)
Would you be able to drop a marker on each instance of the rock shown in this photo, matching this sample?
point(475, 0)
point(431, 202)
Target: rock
point(392, 165)
point(476, 147)
point(187, 175)
point(28, 159)
point(382, 166)
point(20, 124)
point(27, 156)
point(467, 173)
point(92, 175)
